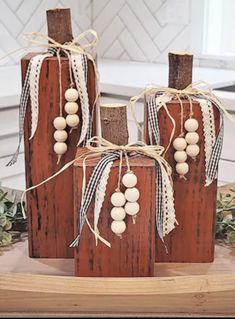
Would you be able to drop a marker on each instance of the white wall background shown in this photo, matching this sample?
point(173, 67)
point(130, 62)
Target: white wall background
point(136, 30)
point(21, 16)
point(139, 30)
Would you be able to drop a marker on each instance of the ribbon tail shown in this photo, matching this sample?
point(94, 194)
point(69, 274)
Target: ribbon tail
point(75, 242)
point(15, 156)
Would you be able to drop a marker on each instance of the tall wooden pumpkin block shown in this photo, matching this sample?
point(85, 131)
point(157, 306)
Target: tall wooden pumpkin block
point(134, 254)
point(50, 206)
point(193, 239)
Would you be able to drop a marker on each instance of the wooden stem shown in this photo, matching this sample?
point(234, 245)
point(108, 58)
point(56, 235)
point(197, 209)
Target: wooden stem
point(59, 25)
point(114, 123)
point(180, 70)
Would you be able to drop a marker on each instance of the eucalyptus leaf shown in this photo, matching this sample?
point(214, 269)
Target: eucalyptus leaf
point(3, 220)
point(2, 208)
point(8, 225)
point(231, 236)
point(5, 238)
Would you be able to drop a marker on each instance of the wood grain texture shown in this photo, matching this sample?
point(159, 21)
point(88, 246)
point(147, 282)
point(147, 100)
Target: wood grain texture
point(133, 255)
point(50, 207)
point(59, 25)
point(120, 296)
point(193, 239)
point(113, 118)
point(180, 70)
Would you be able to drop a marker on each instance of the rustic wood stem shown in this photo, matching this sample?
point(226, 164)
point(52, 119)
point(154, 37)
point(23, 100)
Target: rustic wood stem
point(59, 25)
point(114, 123)
point(180, 70)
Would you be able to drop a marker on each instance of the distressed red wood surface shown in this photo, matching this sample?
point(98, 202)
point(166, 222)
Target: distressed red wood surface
point(50, 206)
point(133, 255)
point(193, 239)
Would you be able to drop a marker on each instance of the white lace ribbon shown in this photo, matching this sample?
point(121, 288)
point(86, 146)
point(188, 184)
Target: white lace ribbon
point(34, 79)
point(209, 132)
point(80, 80)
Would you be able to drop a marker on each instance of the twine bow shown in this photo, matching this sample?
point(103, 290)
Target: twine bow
point(98, 145)
point(198, 89)
point(74, 46)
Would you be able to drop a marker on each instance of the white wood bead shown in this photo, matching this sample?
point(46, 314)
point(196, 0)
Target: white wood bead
point(71, 95)
point(60, 136)
point(182, 168)
point(192, 137)
point(180, 156)
point(191, 125)
point(118, 213)
point(132, 194)
point(60, 148)
point(192, 150)
point(59, 123)
point(129, 179)
point(132, 208)
point(118, 227)
point(71, 107)
point(72, 120)
point(179, 144)
point(118, 199)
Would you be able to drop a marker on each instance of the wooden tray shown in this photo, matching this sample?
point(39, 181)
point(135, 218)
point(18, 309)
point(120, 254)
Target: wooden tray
point(46, 287)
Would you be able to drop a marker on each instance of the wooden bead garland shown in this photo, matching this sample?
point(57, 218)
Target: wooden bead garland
point(186, 146)
point(132, 195)
point(127, 200)
point(118, 226)
point(60, 123)
point(191, 125)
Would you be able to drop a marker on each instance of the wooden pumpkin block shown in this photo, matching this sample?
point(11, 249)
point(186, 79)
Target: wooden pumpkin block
point(50, 206)
point(134, 254)
point(193, 239)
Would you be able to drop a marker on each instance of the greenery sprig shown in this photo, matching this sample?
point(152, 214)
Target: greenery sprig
point(225, 217)
point(11, 219)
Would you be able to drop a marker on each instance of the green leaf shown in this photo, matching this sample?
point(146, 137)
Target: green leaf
point(2, 208)
point(8, 225)
point(5, 239)
point(3, 196)
point(3, 220)
point(231, 236)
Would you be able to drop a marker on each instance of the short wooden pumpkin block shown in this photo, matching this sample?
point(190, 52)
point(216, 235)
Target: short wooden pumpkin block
point(134, 254)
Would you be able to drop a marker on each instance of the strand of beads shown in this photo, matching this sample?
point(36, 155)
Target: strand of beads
point(132, 194)
point(192, 137)
point(118, 200)
point(60, 123)
point(180, 156)
point(71, 107)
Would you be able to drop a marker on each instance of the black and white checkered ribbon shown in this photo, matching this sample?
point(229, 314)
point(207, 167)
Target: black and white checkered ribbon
point(212, 170)
point(153, 126)
point(22, 111)
point(91, 189)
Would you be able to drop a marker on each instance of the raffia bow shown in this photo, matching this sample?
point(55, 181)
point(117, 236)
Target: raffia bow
point(198, 89)
point(74, 46)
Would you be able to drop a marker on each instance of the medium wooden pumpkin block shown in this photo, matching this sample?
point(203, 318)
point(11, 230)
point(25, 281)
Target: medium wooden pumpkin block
point(134, 254)
point(50, 206)
point(195, 205)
